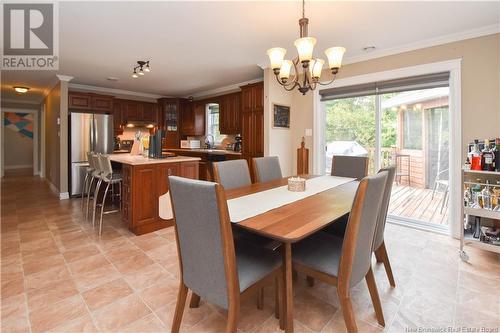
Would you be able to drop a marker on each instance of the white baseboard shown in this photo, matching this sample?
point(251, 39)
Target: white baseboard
point(20, 166)
point(64, 196)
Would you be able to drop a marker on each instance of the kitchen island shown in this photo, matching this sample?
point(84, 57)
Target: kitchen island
point(144, 180)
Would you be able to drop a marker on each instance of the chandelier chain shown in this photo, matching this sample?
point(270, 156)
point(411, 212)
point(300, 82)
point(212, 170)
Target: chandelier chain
point(303, 8)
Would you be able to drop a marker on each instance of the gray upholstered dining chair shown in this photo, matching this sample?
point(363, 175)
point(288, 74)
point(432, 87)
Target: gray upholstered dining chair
point(344, 262)
point(266, 169)
point(211, 264)
point(378, 242)
point(232, 174)
point(350, 166)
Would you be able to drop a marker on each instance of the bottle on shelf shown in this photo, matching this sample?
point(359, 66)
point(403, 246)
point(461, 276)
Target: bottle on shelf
point(496, 154)
point(467, 165)
point(487, 157)
point(487, 195)
point(475, 156)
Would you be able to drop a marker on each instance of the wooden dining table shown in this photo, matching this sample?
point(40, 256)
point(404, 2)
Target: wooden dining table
point(295, 221)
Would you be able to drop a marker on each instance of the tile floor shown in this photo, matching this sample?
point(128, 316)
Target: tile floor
point(58, 275)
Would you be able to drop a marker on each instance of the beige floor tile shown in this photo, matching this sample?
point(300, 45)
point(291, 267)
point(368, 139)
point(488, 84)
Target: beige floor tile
point(133, 264)
point(47, 318)
point(19, 324)
point(50, 294)
point(485, 302)
point(39, 265)
point(80, 253)
point(337, 325)
point(311, 311)
point(121, 313)
point(12, 287)
point(191, 316)
point(90, 279)
point(146, 277)
point(80, 325)
point(106, 293)
point(14, 306)
point(47, 277)
point(161, 293)
point(149, 243)
point(148, 324)
point(272, 326)
point(214, 323)
point(88, 264)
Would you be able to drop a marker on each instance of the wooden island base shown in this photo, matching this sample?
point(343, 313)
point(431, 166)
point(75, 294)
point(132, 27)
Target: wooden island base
point(144, 181)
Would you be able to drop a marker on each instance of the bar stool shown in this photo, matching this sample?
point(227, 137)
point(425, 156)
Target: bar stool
point(110, 178)
point(88, 177)
point(95, 176)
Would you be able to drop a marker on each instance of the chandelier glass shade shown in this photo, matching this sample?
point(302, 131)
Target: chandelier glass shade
point(307, 70)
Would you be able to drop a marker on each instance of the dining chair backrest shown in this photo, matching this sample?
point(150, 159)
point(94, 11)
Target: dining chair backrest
point(232, 174)
point(105, 166)
point(350, 166)
point(355, 260)
point(204, 239)
point(266, 169)
point(384, 207)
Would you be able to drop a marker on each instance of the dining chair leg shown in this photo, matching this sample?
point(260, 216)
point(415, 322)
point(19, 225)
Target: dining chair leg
point(102, 207)
point(277, 291)
point(347, 312)
point(372, 287)
point(260, 299)
point(195, 301)
point(310, 281)
point(381, 253)
point(179, 308)
point(280, 300)
point(96, 194)
point(233, 314)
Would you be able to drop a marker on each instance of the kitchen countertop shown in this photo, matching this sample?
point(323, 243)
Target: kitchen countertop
point(140, 160)
point(207, 151)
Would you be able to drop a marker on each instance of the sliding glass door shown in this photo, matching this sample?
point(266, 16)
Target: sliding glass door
point(407, 128)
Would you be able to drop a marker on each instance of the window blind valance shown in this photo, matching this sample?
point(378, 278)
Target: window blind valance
point(427, 81)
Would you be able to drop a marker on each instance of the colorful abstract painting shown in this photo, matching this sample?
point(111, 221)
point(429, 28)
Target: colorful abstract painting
point(19, 122)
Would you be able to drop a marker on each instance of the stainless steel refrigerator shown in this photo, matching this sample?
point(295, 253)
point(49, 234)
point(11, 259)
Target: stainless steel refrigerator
point(89, 132)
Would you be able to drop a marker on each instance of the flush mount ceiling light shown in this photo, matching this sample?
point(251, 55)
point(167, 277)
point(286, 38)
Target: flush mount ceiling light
point(21, 90)
point(311, 67)
point(369, 48)
point(143, 66)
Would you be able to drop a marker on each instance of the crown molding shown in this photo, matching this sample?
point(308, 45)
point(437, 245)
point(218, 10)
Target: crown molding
point(17, 101)
point(224, 90)
point(66, 78)
point(441, 40)
point(115, 92)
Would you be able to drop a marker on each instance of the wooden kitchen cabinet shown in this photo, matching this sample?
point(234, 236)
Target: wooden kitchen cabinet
point(138, 111)
point(150, 112)
point(252, 122)
point(168, 121)
point(193, 116)
point(230, 113)
point(90, 102)
point(117, 118)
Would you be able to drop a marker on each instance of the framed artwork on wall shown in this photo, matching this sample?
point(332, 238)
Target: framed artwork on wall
point(281, 116)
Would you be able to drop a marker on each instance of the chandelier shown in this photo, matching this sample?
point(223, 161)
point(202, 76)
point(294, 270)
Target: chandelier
point(311, 67)
point(142, 66)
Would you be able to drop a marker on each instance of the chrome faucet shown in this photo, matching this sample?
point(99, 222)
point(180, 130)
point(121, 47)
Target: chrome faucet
point(209, 144)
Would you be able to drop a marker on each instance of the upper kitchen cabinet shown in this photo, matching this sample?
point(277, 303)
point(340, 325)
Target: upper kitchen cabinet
point(117, 118)
point(192, 118)
point(168, 121)
point(230, 113)
point(90, 102)
point(150, 112)
point(139, 111)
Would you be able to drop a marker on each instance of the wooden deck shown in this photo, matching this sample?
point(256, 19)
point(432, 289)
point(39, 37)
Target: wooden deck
point(418, 204)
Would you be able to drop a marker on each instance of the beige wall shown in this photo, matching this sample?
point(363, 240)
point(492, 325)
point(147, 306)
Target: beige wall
point(480, 77)
point(18, 150)
point(277, 141)
point(52, 146)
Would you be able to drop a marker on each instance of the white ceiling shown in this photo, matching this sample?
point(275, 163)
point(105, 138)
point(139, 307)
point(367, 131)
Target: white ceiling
point(198, 46)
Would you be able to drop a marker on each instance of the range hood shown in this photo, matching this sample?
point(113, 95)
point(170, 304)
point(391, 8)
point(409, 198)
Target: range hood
point(139, 124)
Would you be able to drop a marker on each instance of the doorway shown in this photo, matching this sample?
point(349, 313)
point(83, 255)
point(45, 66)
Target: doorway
point(405, 121)
point(19, 142)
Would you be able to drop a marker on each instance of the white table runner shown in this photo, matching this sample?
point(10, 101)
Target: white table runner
point(258, 203)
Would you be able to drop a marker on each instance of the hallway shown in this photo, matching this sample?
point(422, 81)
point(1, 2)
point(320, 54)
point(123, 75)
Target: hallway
point(58, 275)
